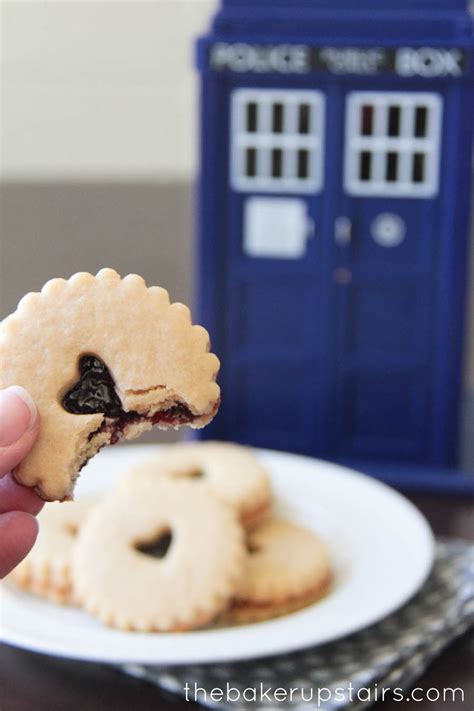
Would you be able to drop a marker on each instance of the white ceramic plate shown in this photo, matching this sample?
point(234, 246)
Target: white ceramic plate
point(381, 548)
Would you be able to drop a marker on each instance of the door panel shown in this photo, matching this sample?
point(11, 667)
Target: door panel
point(383, 275)
point(274, 304)
point(391, 330)
point(379, 411)
point(272, 404)
point(275, 218)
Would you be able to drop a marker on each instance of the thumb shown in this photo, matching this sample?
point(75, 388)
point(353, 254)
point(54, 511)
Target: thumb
point(19, 424)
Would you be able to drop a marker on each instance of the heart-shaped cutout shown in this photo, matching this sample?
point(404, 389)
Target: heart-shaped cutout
point(157, 548)
point(94, 392)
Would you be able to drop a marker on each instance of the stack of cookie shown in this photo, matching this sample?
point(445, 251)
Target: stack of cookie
point(185, 540)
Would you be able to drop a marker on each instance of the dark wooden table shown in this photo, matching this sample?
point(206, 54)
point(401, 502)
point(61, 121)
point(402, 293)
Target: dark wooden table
point(33, 682)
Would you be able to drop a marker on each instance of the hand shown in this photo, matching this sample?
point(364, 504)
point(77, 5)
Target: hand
point(19, 425)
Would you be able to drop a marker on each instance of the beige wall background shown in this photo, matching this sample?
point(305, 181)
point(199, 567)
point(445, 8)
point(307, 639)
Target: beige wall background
point(99, 89)
point(97, 141)
point(98, 145)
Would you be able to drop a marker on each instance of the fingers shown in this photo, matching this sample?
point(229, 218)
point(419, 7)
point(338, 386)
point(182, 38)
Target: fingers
point(18, 531)
point(19, 425)
point(14, 497)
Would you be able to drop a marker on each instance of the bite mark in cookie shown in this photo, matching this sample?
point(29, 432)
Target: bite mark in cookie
point(95, 393)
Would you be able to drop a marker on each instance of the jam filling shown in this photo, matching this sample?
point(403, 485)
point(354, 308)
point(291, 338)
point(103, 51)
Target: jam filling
point(157, 548)
point(252, 548)
point(95, 393)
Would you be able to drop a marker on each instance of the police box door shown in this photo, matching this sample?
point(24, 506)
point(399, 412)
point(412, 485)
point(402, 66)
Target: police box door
point(332, 220)
point(275, 224)
point(386, 236)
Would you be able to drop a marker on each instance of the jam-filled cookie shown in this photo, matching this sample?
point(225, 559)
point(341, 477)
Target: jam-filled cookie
point(104, 358)
point(286, 568)
point(231, 472)
point(165, 556)
point(46, 570)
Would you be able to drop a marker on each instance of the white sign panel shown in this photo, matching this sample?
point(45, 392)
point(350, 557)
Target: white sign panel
point(275, 228)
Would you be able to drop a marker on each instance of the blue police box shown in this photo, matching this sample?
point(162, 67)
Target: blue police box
point(333, 227)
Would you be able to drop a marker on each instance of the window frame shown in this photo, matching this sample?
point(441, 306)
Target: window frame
point(405, 145)
point(288, 141)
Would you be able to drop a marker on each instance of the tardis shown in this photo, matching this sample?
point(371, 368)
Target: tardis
point(333, 227)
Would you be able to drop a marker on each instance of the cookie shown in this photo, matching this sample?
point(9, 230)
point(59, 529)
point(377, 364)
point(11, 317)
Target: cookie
point(166, 556)
point(104, 359)
point(231, 472)
point(46, 570)
point(286, 568)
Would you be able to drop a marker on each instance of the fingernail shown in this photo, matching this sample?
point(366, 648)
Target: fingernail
point(18, 414)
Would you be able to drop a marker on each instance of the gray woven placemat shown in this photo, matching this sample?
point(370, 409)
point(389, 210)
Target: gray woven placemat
point(390, 654)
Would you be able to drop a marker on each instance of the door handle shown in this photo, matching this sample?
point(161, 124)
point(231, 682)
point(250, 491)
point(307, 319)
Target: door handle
point(310, 227)
point(343, 231)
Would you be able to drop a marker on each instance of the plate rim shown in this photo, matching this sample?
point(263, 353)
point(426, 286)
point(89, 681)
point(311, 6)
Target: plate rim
point(267, 643)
